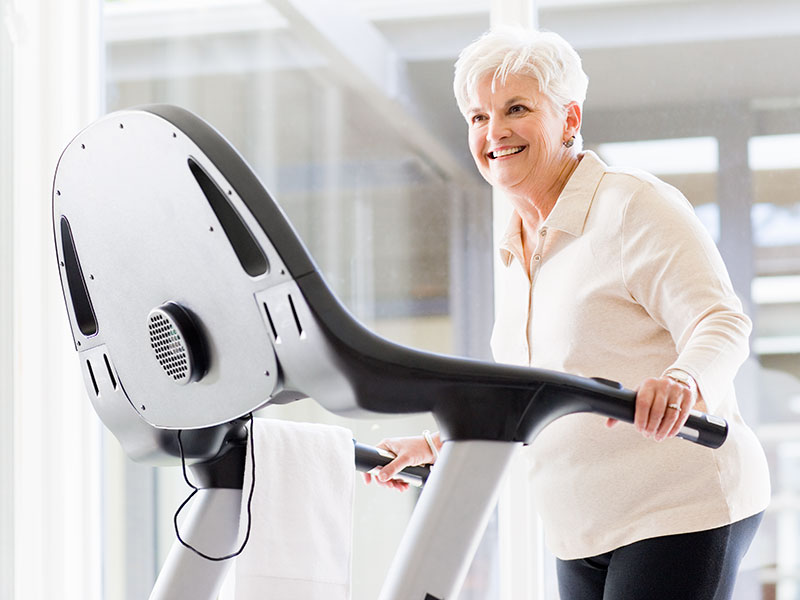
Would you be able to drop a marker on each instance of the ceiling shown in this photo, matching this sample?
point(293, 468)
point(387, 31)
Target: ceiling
point(657, 68)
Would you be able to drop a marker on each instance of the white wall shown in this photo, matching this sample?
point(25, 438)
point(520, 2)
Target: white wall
point(6, 345)
point(50, 439)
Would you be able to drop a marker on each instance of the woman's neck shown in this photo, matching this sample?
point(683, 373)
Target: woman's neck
point(536, 204)
point(534, 207)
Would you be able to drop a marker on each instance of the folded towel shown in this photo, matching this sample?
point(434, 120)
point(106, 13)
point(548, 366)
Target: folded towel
point(302, 512)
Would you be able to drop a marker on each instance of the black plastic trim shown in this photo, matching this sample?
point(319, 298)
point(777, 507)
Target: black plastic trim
point(240, 237)
point(110, 372)
point(78, 293)
point(94, 380)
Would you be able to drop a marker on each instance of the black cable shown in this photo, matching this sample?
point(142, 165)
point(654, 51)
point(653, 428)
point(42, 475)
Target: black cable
point(197, 489)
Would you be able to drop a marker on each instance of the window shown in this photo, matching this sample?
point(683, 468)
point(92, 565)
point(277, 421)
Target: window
point(390, 212)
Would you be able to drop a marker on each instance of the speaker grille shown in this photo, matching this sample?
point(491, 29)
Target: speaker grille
point(169, 346)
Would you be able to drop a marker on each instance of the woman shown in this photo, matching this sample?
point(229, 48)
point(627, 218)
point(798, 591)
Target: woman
point(607, 272)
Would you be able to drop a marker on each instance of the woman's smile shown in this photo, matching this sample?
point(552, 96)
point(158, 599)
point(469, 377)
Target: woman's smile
point(505, 151)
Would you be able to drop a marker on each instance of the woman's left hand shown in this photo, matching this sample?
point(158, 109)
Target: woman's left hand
point(662, 407)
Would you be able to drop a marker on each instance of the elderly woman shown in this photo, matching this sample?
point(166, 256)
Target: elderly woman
point(607, 272)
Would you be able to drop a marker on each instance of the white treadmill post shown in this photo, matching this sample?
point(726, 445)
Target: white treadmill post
point(448, 521)
point(211, 526)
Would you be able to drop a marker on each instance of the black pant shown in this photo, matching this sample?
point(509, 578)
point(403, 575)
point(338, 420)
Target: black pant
point(690, 566)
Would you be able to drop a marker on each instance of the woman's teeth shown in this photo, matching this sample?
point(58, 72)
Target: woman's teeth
point(506, 152)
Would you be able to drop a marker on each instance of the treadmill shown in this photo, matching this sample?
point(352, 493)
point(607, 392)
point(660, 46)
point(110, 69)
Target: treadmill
point(193, 303)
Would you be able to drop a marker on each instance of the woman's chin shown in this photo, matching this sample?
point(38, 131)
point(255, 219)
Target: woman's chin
point(505, 182)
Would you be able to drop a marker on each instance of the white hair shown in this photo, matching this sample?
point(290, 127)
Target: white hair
point(544, 56)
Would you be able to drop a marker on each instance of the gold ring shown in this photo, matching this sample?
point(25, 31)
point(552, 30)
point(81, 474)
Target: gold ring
point(675, 406)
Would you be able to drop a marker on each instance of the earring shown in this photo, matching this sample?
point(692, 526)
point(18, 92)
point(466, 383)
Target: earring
point(569, 142)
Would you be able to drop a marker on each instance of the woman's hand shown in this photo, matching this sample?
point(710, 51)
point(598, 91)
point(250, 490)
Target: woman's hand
point(662, 407)
point(408, 451)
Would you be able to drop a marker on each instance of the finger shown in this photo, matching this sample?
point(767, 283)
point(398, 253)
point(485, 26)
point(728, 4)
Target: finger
point(680, 421)
point(388, 471)
point(687, 404)
point(394, 484)
point(385, 445)
point(372, 477)
point(672, 413)
point(649, 407)
point(658, 411)
point(400, 486)
point(644, 399)
point(610, 422)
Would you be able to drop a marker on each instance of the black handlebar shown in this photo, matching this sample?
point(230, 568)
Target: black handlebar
point(700, 428)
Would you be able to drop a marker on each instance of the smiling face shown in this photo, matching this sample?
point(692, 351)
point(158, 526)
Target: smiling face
point(516, 135)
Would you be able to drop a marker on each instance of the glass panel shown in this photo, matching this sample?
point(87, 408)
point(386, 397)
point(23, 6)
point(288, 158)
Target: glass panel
point(375, 214)
point(689, 164)
point(775, 161)
point(679, 156)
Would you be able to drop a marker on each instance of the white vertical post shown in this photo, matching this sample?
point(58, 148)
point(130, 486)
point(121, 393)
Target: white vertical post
point(211, 525)
point(735, 196)
point(331, 196)
point(56, 64)
point(448, 521)
point(520, 534)
point(362, 267)
point(521, 13)
point(6, 310)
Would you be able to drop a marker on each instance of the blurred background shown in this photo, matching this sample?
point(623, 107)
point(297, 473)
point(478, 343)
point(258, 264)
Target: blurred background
point(344, 109)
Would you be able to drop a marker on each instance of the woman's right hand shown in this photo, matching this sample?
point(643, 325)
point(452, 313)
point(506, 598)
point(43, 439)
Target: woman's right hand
point(408, 451)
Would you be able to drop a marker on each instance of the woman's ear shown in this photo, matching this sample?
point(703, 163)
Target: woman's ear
point(572, 124)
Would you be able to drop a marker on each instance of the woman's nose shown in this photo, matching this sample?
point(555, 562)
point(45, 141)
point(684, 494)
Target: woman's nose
point(497, 130)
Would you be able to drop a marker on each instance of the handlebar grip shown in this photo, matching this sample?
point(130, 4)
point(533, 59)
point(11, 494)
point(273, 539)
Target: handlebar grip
point(700, 428)
point(369, 457)
point(704, 429)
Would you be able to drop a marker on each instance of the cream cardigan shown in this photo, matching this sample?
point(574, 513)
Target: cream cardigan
point(625, 283)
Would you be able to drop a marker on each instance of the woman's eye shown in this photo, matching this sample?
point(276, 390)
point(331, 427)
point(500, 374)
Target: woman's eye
point(478, 118)
point(517, 108)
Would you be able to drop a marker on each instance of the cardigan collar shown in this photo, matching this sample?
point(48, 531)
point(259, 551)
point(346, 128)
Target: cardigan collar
point(570, 211)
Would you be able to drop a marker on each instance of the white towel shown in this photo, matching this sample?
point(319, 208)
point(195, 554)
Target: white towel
point(302, 512)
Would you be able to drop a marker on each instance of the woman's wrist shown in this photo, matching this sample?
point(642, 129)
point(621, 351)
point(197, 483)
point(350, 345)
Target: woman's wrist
point(684, 378)
point(431, 444)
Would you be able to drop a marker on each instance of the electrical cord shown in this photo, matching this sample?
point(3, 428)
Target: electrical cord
point(197, 489)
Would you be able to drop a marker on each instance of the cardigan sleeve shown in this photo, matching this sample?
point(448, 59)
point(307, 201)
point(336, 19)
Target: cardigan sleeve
point(672, 268)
